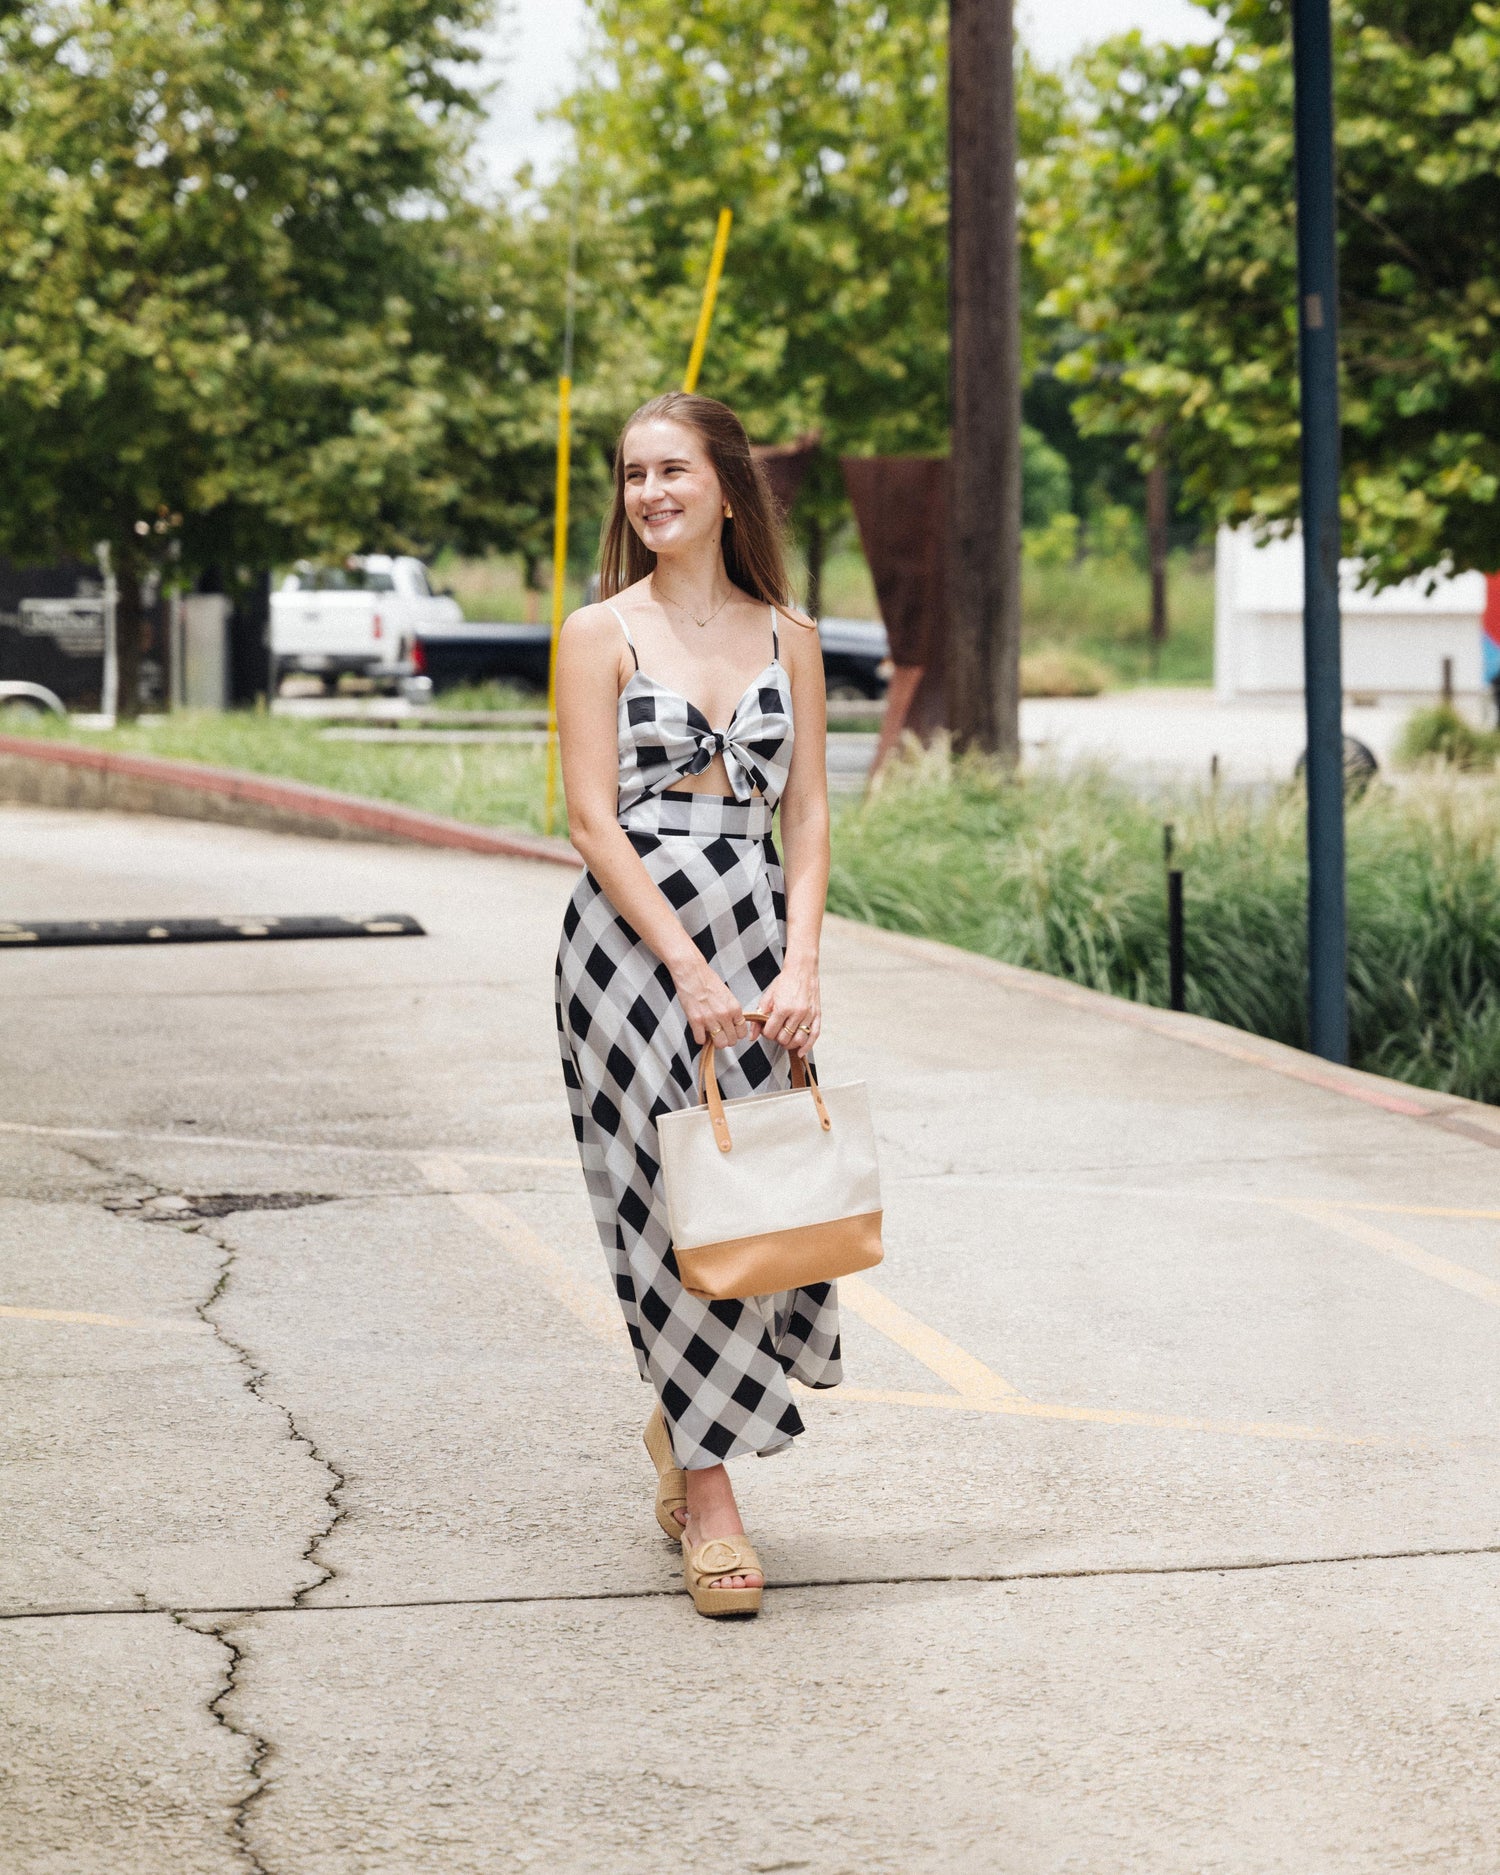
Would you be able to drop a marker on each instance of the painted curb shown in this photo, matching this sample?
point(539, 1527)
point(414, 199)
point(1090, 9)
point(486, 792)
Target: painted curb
point(1471, 1118)
point(37, 773)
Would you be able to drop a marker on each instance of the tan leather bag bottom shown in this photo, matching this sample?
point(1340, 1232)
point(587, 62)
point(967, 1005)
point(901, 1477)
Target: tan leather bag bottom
point(784, 1259)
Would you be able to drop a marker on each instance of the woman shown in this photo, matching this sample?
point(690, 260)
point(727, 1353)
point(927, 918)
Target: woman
point(677, 697)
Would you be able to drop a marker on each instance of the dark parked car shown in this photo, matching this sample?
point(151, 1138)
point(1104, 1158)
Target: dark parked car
point(856, 655)
point(476, 654)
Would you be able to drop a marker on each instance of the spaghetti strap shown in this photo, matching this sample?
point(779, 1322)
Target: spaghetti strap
point(775, 641)
point(626, 629)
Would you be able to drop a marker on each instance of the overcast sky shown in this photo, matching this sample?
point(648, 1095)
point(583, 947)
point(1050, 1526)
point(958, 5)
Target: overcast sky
point(534, 50)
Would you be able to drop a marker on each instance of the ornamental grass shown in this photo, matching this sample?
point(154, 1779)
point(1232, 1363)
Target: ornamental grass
point(1066, 875)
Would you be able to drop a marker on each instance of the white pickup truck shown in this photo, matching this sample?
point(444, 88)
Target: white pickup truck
point(362, 616)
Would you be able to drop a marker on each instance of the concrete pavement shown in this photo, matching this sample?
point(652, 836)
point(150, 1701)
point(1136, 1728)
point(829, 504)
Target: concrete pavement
point(1156, 1529)
point(1163, 738)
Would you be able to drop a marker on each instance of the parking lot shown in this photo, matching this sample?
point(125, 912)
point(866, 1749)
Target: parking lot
point(1156, 1528)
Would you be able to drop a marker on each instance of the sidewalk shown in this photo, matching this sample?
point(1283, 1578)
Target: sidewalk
point(1155, 1529)
point(1162, 738)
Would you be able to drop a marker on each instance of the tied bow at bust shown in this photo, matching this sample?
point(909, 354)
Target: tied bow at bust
point(741, 761)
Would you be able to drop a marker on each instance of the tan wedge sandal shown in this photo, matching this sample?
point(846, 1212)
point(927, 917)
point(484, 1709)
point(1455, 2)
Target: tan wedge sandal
point(721, 1556)
point(671, 1484)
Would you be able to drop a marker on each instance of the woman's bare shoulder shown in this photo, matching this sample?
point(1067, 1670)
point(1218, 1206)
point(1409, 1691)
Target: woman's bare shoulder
point(592, 625)
point(796, 617)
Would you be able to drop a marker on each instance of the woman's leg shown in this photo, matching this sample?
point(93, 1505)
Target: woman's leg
point(712, 1512)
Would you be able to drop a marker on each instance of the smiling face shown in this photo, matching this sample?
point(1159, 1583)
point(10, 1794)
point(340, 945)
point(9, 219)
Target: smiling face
point(672, 495)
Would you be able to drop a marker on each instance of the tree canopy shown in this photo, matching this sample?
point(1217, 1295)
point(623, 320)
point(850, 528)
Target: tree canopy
point(1162, 222)
point(823, 127)
point(249, 307)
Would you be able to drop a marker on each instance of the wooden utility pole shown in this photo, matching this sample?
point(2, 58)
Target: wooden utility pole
point(984, 501)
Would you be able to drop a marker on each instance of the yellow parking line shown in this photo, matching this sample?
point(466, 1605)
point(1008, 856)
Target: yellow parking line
point(1019, 1408)
point(1410, 1210)
point(1441, 1269)
point(976, 1388)
point(582, 1301)
point(965, 1374)
point(89, 1320)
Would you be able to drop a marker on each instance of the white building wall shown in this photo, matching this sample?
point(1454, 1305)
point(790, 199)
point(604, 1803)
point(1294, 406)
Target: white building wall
point(1394, 642)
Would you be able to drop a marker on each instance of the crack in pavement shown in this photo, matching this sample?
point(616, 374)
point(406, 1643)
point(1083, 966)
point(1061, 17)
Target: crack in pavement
point(260, 1746)
point(193, 1216)
point(1222, 1565)
point(256, 1377)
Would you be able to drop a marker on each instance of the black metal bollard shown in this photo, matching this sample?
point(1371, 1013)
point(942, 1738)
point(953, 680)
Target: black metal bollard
point(1176, 968)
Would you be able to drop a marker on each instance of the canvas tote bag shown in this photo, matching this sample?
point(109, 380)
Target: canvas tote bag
point(771, 1192)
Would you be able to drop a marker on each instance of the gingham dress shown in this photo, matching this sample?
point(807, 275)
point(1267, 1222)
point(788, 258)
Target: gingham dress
point(720, 1369)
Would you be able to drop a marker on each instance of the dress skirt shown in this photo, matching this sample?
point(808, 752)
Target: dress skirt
point(720, 1369)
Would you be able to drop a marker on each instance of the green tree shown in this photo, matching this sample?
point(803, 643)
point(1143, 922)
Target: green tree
point(822, 125)
point(248, 308)
point(1162, 222)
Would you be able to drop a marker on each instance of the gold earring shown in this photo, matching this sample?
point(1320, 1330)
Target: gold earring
point(728, 512)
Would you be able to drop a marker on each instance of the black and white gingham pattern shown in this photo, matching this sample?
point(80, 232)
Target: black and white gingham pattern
point(720, 1369)
point(663, 737)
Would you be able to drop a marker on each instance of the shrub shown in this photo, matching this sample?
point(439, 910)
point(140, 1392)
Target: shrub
point(1441, 734)
point(1065, 875)
point(1057, 671)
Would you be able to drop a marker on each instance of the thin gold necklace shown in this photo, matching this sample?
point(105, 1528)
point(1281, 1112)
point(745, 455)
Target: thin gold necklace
point(699, 622)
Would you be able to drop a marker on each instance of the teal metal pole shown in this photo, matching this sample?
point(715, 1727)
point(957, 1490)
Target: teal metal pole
point(1317, 294)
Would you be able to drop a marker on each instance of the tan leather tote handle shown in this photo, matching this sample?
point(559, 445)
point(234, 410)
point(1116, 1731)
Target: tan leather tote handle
point(708, 1089)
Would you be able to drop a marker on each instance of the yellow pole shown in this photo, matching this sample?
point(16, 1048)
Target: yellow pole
point(559, 575)
point(710, 294)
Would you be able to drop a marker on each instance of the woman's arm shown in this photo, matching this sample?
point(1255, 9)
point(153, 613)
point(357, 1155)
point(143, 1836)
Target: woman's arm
point(589, 678)
point(793, 1003)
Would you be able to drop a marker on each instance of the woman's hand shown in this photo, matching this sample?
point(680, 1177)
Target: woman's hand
point(713, 1009)
point(792, 1010)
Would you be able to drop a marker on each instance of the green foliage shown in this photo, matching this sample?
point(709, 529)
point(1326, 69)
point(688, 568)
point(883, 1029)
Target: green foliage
point(1056, 544)
point(1101, 608)
point(822, 126)
point(1065, 876)
point(249, 309)
point(822, 123)
point(1046, 484)
point(1162, 223)
point(1440, 734)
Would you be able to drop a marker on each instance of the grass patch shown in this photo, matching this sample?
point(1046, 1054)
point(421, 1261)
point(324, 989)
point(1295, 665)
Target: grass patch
point(493, 590)
point(1058, 671)
point(1066, 876)
point(1440, 734)
point(491, 784)
point(490, 695)
point(1098, 609)
point(1101, 610)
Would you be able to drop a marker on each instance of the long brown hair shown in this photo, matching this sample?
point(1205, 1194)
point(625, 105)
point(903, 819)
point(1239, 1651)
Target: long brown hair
point(753, 556)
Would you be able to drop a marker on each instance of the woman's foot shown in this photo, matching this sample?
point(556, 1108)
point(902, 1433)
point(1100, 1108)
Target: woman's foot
point(671, 1484)
point(713, 1513)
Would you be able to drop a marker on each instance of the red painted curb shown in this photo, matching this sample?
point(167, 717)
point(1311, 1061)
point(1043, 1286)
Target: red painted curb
point(380, 818)
point(1471, 1118)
